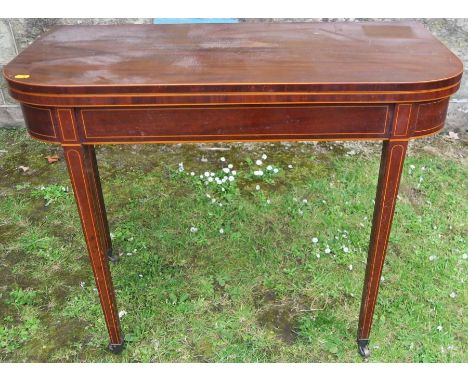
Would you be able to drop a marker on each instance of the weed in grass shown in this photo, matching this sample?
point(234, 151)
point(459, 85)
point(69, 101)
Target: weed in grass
point(19, 297)
point(50, 193)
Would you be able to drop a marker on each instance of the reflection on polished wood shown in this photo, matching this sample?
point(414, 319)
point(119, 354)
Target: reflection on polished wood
point(81, 86)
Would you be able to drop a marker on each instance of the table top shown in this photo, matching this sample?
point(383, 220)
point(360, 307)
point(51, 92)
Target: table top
point(253, 57)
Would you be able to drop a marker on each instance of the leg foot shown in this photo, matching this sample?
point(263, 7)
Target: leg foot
point(112, 258)
point(116, 348)
point(363, 348)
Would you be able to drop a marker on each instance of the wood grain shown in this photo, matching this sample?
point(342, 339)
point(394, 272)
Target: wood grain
point(138, 60)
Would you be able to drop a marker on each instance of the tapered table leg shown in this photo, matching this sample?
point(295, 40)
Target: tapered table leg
point(84, 177)
point(103, 223)
point(391, 165)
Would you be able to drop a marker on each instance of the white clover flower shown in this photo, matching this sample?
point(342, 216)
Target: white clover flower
point(219, 181)
point(268, 201)
point(258, 172)
point(269, 167)
point(314, 240)
point(412, 167)
point(230, 165)
point(234, 172)
point(345, 249)
point(350, 267)
point(222, 189)
point(304, 201)
point(201, 176)
point(212, 174)
point(208, 196)
point(439, 328)
point(264, 156)
point(193, 229)
point(301, 212)
point(221, 231)
point(257, 187)
point(207, 174)
point(231, 178)
point(222, 159)
point(220, 204)
point(465, 256)
point(140, 276)
point(210, 179)
point(122, 313)
point(382, 279)
point(453, 295)
point(226, 170)
point(290, 166)
point(258, 162)
point(327, 250)
point(275, 170)
point(82, 284)
point(432, 258)
point(192, 173)
point(318, 256)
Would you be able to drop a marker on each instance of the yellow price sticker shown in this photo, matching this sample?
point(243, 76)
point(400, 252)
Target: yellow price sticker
point(22, 76)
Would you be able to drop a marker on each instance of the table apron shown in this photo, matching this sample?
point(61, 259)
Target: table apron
point(233, 123)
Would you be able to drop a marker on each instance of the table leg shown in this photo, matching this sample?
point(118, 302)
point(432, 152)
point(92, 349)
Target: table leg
point(391, 165)
point(104, 225)
point(84, 177)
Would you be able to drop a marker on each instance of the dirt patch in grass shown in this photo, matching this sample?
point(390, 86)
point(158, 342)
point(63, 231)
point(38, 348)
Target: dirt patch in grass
point(203, 350)
point(69, 280)
point(60, 335)
point(413, 196)
point(8, 277)
point(281, 320)
point(9, 231)
point(280, 317)
point(443, 147)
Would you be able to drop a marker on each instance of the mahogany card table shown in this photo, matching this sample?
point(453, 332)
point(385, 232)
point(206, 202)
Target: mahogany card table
point(81, 86)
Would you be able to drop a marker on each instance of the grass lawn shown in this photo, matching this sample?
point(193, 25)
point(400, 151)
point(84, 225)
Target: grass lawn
point(233, 275)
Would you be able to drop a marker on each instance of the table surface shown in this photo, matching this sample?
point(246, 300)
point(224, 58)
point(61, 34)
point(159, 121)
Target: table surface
point(255, 56)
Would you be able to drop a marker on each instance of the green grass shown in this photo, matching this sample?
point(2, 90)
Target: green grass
point(238, 279)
